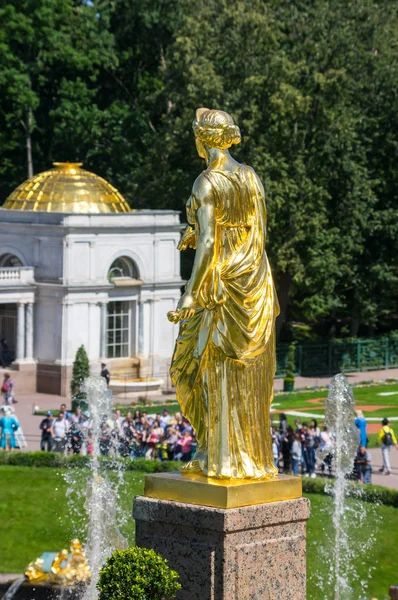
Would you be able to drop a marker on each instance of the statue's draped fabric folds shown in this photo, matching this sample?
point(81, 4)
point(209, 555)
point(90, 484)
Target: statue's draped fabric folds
point(224, 360)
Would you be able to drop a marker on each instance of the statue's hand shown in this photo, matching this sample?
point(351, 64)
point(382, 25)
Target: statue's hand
point(185, 309)
point(188, 240)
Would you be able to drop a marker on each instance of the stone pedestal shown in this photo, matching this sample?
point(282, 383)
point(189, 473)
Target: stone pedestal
point(249, 553)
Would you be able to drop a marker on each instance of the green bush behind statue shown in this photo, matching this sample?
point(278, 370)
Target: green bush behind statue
point(137, 574)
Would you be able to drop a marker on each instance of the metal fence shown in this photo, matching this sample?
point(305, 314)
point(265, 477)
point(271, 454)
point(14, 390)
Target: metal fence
point(329, 358)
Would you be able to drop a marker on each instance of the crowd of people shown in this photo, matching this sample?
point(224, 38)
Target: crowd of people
point(305, 449)
point(137, 435)
point(294, 448)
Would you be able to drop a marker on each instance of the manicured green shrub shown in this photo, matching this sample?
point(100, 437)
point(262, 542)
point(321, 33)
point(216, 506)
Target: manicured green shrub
point(314, 486)
point(80, 372)
point(53, 459)
point(137, 574)
point(367, 493)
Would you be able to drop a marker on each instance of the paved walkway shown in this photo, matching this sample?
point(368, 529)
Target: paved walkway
point(390, 481)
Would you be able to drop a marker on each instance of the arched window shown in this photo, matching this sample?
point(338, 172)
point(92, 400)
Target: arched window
point(123, 267)
point(10, 260)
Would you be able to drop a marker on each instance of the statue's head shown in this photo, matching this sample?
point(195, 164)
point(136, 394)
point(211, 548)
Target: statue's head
point(214, 129)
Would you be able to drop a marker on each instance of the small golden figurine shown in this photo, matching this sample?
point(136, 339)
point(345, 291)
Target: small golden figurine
point(224, 360)
point(66, 569)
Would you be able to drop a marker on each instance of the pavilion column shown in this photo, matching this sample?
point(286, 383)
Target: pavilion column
point(144, 328)
point(29, 331)
point(21, 331)
point(103, 317)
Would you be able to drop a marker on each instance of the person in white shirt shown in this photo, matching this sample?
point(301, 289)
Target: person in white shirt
point(326, 446)
point(59, 430)
point(165, 419)
point(296, 454)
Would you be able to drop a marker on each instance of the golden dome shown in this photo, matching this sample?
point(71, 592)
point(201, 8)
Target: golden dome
point(67, 188)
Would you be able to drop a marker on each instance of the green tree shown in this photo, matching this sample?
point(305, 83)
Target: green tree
point(288, 382)
point(297, 78)
point(313, 86)
point(51, 57)
point(80, 372)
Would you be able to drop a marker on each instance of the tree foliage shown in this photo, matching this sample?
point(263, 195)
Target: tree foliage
point(80, 372)
point(313, 86)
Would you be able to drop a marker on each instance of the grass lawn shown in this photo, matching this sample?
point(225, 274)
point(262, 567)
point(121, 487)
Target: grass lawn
point(364, 395)
point(379, 560)
point(34, 517)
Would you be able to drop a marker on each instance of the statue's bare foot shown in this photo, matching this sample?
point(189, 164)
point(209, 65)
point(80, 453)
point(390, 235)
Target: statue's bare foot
point(197, 464)
point(192, 466)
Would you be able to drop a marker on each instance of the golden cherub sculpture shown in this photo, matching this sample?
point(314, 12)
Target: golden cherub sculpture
point(67, 568)
point(224, 359)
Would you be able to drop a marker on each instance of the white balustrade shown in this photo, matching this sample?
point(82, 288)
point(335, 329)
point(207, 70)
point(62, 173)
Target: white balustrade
point(16, 275)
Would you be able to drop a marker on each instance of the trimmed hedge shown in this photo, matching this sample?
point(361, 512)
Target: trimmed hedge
point(137, 574)
point(54, 459)
point(365, 492)
point(369, 493)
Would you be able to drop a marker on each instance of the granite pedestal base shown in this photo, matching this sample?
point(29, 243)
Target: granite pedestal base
point(248, 553)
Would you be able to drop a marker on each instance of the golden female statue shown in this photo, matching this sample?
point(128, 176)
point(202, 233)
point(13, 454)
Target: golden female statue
point(224, 359)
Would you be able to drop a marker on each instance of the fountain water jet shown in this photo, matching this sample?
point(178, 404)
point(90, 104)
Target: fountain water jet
point(103, 536)
point(339, 419)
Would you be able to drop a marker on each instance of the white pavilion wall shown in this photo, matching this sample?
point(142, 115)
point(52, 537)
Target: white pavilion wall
point(72, 255)
point(82, 326)
point(34, 249)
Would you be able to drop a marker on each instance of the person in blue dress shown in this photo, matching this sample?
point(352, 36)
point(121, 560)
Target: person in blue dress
point(8, 427)
point(361, 423)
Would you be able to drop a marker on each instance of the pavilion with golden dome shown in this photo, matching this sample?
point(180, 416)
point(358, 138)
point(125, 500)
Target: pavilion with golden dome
point(79, 267)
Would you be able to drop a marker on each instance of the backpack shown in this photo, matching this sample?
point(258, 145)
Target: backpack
point(4, 388)
point(387, 439)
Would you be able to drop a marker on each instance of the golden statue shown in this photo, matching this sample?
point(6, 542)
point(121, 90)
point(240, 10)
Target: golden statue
point(224, 360)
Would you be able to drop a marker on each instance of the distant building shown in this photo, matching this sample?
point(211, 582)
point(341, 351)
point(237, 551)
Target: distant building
point(78, 267)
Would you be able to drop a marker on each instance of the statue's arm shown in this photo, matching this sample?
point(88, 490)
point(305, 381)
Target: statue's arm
point(205, 232)
point(204, 250)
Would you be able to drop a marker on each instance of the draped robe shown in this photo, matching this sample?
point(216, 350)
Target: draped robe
point(223, 365)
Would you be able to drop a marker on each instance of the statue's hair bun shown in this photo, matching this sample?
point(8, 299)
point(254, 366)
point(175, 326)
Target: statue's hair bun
point(216, 128)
